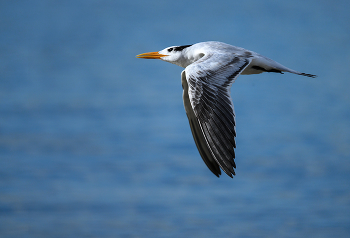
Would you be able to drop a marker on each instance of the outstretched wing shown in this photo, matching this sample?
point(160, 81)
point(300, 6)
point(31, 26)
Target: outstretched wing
point(208, 104)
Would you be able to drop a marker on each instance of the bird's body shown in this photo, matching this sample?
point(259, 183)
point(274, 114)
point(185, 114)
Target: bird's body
point(210, 69)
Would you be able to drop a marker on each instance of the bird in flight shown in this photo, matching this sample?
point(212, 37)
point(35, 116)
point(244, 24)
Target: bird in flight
point(210, 69)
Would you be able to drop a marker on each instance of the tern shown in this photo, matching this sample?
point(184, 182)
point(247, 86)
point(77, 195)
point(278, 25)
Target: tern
point(210, 69)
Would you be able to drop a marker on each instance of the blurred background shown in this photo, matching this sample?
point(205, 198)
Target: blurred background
point(96, 143)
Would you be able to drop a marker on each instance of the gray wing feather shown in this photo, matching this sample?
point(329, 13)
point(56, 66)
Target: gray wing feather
point(209, 108)
point(197, 133)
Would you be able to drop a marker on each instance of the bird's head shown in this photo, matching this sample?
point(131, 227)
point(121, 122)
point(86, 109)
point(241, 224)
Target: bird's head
point(173, 54)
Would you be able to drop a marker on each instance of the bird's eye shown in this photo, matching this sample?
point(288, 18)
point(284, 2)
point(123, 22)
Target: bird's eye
point(170, 49)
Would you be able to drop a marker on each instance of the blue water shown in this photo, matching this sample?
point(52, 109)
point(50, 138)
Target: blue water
point(96, 143)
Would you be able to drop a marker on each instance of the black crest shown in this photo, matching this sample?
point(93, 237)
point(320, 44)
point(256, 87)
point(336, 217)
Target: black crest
point(178, 48)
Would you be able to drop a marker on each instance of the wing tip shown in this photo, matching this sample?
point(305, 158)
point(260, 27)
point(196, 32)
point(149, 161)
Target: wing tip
point(229, 173)
point(308, 75)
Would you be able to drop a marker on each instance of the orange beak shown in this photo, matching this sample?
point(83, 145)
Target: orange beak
point(150, 55)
